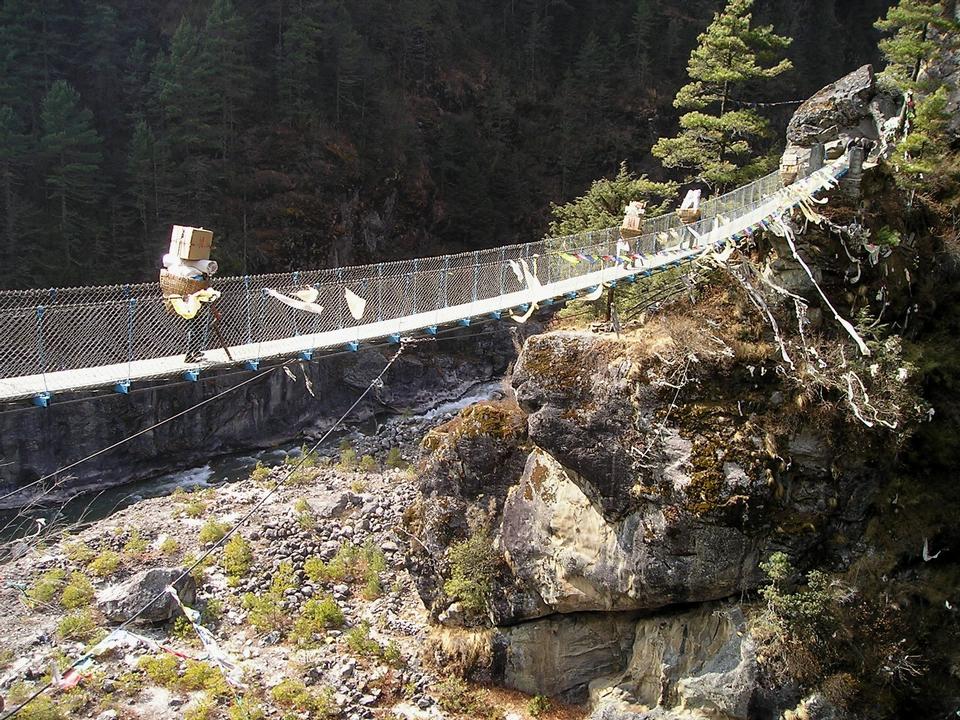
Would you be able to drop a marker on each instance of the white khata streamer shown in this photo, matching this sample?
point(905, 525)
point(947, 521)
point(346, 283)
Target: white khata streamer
point(594, 294)
point(356, 304)
point(788, 235)
point(301, 304)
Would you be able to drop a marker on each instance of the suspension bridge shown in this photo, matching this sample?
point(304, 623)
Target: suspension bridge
point(66, 340)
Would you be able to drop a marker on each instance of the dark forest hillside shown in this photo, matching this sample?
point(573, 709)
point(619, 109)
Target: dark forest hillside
point(308, 132)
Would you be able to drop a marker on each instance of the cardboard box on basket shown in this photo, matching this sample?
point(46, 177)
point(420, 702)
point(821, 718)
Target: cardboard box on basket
point(190, 243)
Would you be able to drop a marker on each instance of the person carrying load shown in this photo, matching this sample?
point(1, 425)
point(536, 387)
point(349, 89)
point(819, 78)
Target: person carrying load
point(185, 284)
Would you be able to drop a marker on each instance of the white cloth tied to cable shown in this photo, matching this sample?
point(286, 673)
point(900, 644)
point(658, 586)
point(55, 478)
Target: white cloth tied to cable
point(594, 294)
point(305, 299)
point(533, 284)
point(356, 304)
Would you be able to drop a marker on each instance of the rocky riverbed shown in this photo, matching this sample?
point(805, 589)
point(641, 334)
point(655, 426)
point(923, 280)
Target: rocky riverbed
point(366, 662)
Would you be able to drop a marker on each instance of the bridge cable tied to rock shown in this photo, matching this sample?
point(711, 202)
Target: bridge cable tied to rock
point(281, 481)
point(66, 340)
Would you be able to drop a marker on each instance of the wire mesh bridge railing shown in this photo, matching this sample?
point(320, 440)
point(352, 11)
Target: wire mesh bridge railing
point(63, 339)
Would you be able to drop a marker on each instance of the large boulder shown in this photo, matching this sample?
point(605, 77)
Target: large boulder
point(559, 656)
point(701, 661)
point(842, 105)
point(559, 545)
point(122, 601)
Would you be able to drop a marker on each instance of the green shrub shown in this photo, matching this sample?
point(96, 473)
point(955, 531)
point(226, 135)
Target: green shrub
point(204, 708)
point(105, 564)
point(538, 705)
point(212, 612)
point(163, 669)
point(348, 459)
point(244, 710)
point(293, 695)
point(43, 707)
point(195, 508)
point(202, 676)
point(78, 625)
point(237, 559)
point(78, 552)
point(473, 567)
point(78, 593)
point(136, 545)
point(169, 546)
point(394, 459)
point(212, 531)
point(352, 563)
point(317, 615)
point(358, 485)
point(45, 588)
point(198, 572)
point(368, 464)
point(260, 473)
point(360, 642)
point(265, 611)
point(455, 696)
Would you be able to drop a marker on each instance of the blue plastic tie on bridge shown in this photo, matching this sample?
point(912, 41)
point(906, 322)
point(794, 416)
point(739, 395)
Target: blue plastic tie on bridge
point(432, 330)
point(353, 346)
point(524, 307)
point(306, 355)
point(547, 303)
point(252, 365)
point(191, 375)
point(571, 295)
point(496, 315)
point(631, 279)
point(613, 283)
point(122, 387)
point(465, 322)
point(394, 339)
point(42, 399)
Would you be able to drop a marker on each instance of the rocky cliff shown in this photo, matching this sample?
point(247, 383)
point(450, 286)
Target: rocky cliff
point(641, 487)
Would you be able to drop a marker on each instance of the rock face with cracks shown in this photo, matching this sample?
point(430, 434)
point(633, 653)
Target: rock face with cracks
point(649, 471)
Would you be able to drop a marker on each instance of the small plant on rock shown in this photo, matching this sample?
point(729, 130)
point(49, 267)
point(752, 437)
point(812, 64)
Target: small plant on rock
point(169, 546)
point(265, 611)
point(163, 670)
point(78, 593)
point(237, 559)
point(539, 705)
point(368, 464)
point(202, 676)
point(203, 708)
point(293, 696)
point(260, 473)
point(78, 552)
point(136, 545)
point(45, 588)
point(317, 615)
point(473, 567)
point(78, 625)
point(212, 531)
point(105, 564)
point(455, 696)
point(394, 459)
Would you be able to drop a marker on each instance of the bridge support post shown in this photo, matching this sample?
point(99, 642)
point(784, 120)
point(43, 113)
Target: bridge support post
point(609, 313)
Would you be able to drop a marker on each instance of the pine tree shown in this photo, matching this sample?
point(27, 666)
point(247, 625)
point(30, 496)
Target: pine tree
point(603, 205)
point(72, 150)
point(920, 29)
point(225, 72)
point(300, 63)
point(14, 149)
point(143, 187)
point(718, 136)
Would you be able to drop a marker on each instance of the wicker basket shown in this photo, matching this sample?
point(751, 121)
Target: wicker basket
point(688, 216)
point(175, 286)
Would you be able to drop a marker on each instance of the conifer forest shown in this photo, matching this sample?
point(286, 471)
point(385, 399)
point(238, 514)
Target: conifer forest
point(311, 133)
